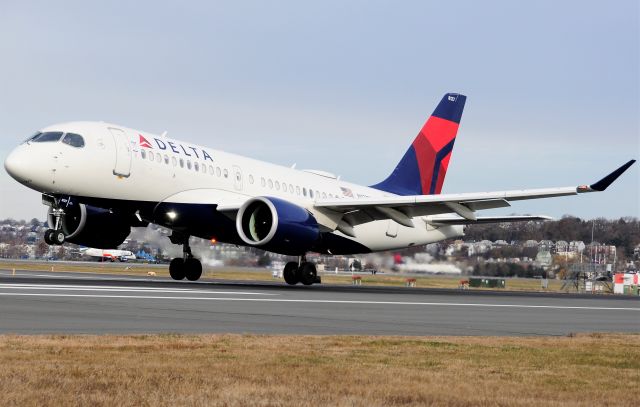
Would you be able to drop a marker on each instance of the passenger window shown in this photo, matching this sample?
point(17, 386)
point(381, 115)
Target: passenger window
point(143, 154)
point(284, 187)
point(196, 166)
point(324, 195)
point(181, 163)
point(159, 158)
point(211, 170)
point(204, 168)
point(311, 193)
point(226, 173)
point(304, 191)
point(298, 190)
point(166, 159)
point(250, 179)
point(277, 186)
point(291, 188)
point(74, 140)
point(218, 171)
point(47, 137)
point(270, 184)
point(174, 161)
point(151, 157)
point(262, 182)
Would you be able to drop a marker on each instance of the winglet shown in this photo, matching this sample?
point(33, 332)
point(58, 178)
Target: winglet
point(608, 180)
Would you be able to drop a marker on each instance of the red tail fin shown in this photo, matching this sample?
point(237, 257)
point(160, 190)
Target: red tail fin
point(423, 167)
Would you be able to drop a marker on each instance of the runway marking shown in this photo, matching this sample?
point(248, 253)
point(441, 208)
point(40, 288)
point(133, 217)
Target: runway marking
point(121, 289)
point(92, 276)
point(449, 304)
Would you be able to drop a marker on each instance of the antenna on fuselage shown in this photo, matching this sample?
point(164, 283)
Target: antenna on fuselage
point(294, 166)
point(164, 134)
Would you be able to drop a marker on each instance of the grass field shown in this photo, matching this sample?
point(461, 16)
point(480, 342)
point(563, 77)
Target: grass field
point(231, 273)
point(243, 370)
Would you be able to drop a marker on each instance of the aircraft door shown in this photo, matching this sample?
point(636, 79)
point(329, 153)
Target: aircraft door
point(122, 165)
point(237, 178)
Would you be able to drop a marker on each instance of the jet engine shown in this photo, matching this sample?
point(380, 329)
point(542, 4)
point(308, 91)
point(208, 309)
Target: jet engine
point(91, 226)
point(277, 225)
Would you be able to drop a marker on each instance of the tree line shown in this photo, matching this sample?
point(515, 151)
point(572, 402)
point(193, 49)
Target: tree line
point(624, 233)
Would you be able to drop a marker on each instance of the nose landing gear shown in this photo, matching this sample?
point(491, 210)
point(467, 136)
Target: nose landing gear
point(300, 272)
point(186, 266)
point(55, 236)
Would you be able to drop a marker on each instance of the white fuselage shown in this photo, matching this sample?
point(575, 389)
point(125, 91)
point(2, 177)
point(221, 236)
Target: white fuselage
point(119, 163)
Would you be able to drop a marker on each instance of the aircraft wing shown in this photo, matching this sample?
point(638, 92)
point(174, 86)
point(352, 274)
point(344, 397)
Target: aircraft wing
point(402, 208)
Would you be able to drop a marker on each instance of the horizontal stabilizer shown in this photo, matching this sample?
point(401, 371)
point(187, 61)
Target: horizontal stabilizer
point(441, 221)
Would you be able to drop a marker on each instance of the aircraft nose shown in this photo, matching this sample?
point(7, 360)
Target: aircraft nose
point(16, 164)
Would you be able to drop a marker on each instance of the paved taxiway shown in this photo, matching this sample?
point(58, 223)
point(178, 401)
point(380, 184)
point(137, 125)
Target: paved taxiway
point(35, 302)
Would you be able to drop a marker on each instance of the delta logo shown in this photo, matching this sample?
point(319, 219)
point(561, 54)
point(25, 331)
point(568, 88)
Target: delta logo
point(144, 142)
point(177, 148)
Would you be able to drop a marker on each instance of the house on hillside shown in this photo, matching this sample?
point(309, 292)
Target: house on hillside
point(547, 243)
point(562, 246)
point(576, 246)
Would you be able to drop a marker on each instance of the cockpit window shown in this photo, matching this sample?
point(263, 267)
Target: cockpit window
point(74, 140)
point(46, 137)
point(32, 137)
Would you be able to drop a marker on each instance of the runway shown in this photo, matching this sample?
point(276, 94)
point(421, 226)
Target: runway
point(34, 302)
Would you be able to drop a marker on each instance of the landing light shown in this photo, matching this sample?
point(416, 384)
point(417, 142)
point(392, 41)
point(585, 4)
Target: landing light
point(172, 215)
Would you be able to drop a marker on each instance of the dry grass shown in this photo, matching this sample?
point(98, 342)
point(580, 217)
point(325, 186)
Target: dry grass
point(237, 273)
point(239, 370)
point(512, 284)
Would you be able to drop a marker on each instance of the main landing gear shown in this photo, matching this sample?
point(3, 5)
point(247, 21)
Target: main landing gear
point(301, 271)
point(186, 266)
point(55, 236)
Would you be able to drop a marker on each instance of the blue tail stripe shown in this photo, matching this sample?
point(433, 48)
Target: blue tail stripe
point(451, 111)
point(436, 166)
point(405, 178)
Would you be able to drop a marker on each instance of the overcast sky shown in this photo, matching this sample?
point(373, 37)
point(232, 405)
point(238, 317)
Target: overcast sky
point(553, 86)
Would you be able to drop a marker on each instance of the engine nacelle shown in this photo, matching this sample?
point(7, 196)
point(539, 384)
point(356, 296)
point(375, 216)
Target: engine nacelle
point(93, 227)
point(277, 225)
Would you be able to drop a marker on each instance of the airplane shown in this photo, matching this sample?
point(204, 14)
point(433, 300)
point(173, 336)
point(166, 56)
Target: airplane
point(108, 254)
point(101, 179)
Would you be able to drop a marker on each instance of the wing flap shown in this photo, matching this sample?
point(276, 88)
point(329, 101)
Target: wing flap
point(487, 204)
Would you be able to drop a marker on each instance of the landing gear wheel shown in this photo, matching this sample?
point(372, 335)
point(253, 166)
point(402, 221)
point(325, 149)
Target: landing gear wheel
point(307, 273)
point(192, 269)
point(47, 237)
point(290, 273)
point(177, 269)
point(57, 237)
